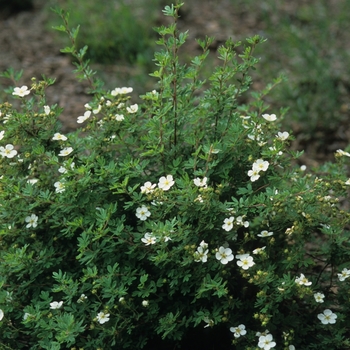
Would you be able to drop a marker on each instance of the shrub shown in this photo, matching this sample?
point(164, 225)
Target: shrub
point(179, 220)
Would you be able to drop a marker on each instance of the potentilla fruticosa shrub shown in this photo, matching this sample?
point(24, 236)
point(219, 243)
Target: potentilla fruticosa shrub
point(179, 219)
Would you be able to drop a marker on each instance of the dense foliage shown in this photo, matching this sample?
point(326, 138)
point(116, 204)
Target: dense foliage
point(155, 222)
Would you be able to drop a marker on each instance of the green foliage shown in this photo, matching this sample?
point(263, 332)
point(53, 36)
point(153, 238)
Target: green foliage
point(154, 222)
point(112, 29)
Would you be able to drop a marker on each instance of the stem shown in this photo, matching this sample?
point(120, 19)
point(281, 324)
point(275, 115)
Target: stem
point(244, 74)
point(174, 82)
point(76, 54)
point(161, 141)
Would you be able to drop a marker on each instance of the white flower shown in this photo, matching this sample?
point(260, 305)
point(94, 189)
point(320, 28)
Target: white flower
point(238, 331)
point(1, 314)
point(102, 317)
point(319, 297)
point(327, 317)
point(214, 150)
point(260, 164)
point(282, 135)
point(200, 182)
point(65, 151)
point(302, 280)
point(145, 303)
point(202, 252)
point(166, 182)
point(82, 298)
point(115, 92)
point(224, 255)
point(59, 137)
point(291, 347)
point(245, 261)
point(148, 238)
point(32, 181)
point(228, 223)
point(59, 187)
point(253, 137)
point(8, 151)
point(209, 322)
point(56, 304)
point(344, 275)
point(199, 199)
point(119, 117)
point(62, 169)
point(26, 316)
point(126, 90)
point(97, 110)
point(47, 110)
point(133, 108)
point(143, 213)
point(203, 245)
point(6, 118)
point(32, 221)
point(22, 91)
point(148, 187)
point(347, 182)
point(265, 233)
point(253, 174)
point(266, 342)
point(269, 117)
point(258, 250)
point(2, 133)
point(245, 121)
point(82, 118)
point(239, 221)
point(290, 230)
point(341, 153)
point(123, 90)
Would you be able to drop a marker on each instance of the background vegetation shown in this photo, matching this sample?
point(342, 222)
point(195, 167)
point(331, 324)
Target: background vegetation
point(307, 41)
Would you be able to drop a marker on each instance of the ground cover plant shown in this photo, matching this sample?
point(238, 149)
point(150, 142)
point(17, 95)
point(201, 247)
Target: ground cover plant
point(157, 222)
